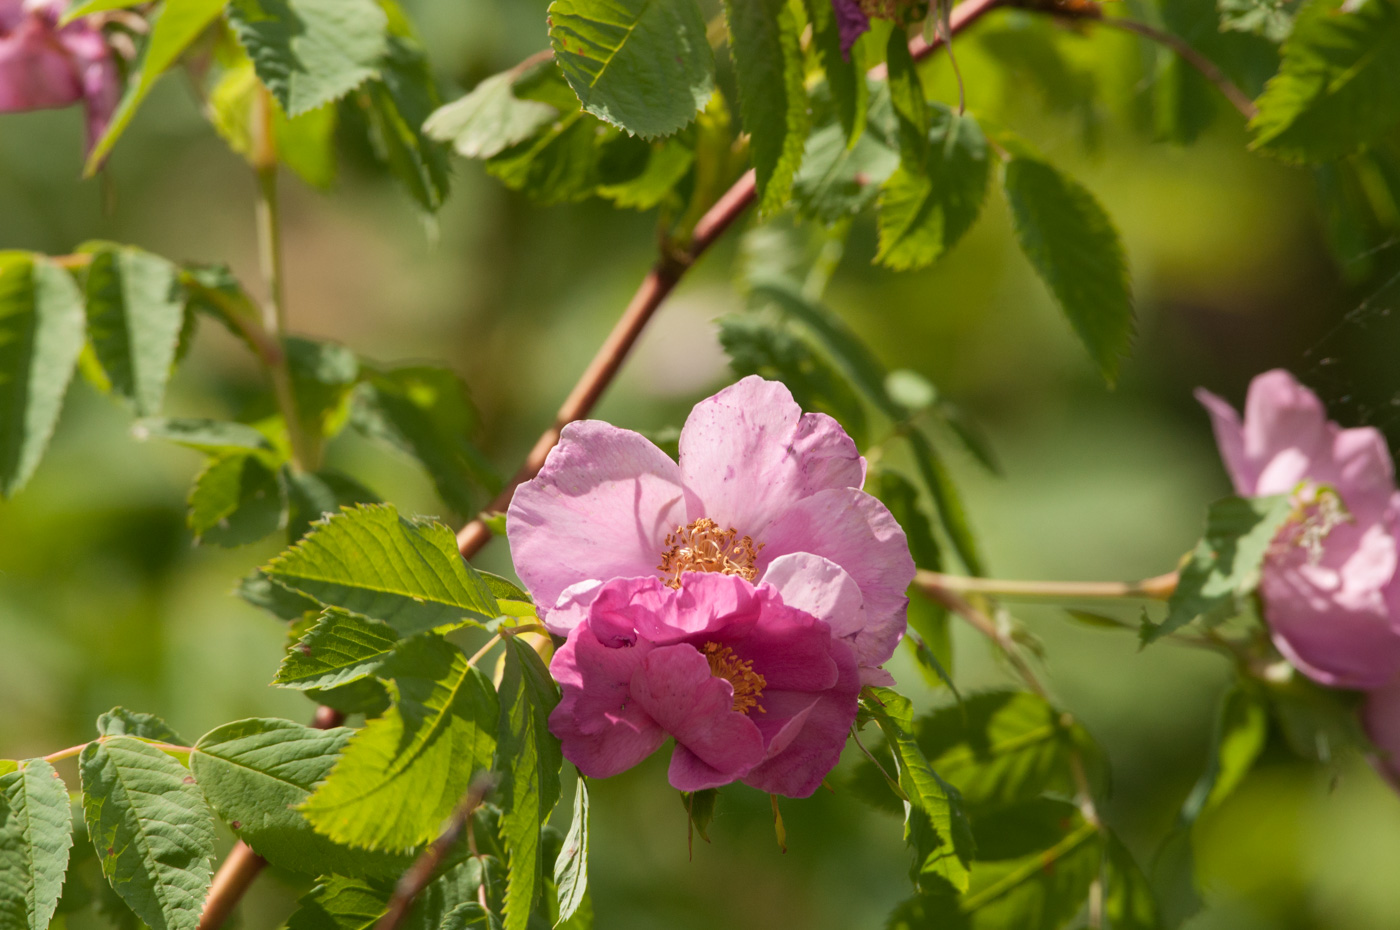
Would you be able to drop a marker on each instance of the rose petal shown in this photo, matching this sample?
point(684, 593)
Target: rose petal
point(675, 688)
point(1229, 437)
point(748, 453)
point(601, 729)
point(600, 508)
point(855, 531)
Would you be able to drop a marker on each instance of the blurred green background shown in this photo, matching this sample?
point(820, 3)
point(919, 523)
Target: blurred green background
point(104, 600)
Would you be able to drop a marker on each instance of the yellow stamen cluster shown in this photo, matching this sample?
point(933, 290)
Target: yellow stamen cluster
point(704, 547)
point(1317, 511)
point(748, 684)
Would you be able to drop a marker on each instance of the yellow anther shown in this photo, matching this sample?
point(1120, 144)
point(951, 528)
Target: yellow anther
point(704, 547)
point(748, 684)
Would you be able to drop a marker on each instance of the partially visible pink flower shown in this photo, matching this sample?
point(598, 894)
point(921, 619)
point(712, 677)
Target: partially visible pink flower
point(852, 22)
point(1330, 586)
point(752, 689)
point(43, 66)
point(762, 492)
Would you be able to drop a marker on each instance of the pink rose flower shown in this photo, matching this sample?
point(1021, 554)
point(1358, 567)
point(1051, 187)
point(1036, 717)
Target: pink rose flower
point(762, 492)
point(1329, 585)
point(752, 689)
point(43, 67)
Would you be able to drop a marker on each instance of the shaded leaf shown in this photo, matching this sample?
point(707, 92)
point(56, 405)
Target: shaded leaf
point(135, 311)
point(1129, 903)
point(122, 722)
point(151, 828)
point(260, 591)
point(41, 336)
point(1073, 246)
point(571, 867)
point(1241, 730)
point(400, 101)
point(311, 497)
point(211, 436)
point(35, 837)
point(764, 44)
point(844, 81)
point(236, 499)
point(640, 64)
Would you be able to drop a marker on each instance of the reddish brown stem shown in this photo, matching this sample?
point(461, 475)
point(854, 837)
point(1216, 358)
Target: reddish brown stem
point(243, 865)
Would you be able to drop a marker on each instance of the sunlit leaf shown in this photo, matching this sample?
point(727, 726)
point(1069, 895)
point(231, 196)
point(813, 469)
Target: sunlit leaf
point(35, 837)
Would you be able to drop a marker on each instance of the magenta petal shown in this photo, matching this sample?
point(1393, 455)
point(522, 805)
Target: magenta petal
point(35, 74)
point(851, 21)
point(792, 649)
point(855, 531)
point(1380, 716)
point(748, 453)
point(675, 688)
point(706, 604)
point(797, 769)
point(601, 729)
point(600, 508)
point(825, 590)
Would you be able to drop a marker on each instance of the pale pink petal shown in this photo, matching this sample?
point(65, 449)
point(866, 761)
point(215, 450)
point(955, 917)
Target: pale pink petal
point(1229, 437)
point(748, 453)
point(1364, 474)
point(1380, 716)
point(573, 607)
point(601, 729)
point(1285, 432)
point(855, 531)
point(877, 677)
point(674, 686)
point(600, 508)
point(821, 588)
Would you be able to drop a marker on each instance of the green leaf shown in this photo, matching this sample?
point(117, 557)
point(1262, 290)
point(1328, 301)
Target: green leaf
point(399, 103)
point(764, 44)
point(341, 903)
point(907, 96)
point(428, 414)
point(310, 52)
point(341, 648)
point(1241, 731)
point(700, 810)
point(1128, 900)
point(81, 8)
point(35, 836)
point(370, 561)
point(151, 829)
point(490, 119)
point(1042, 891)
point(260, 591)
point(636, 175)
point(174, 27)
point(135, 311)
point(1073, 246)
point(304, 144)
point(947, 499)
point(934, 825)
point(41, 336)
point(845, 83)
point(571, 868)
point(310, 497)
point(837, 181)
point(122, 722)
point(1338, 88)
point(211, 436)
point(1320, 724)
point(402, 775)
point(925, 208)
point(1226, 562)
point(999, 748)
point(530, 756)
point(236, 499)
point(255, 773)
point(1272, 19)
point(323, 375)
point(643, 65)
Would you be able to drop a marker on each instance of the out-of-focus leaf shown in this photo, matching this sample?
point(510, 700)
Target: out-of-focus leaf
point(1338, 88)
point(151, 828)
point(836, 181)
point(260, 591)
point(122, 722)
point(764, 44)
point(403, 774)
point(532, 757)
point(844, 81)
point(175, 25)
point(256, 772)
point(310, 52)
point(341, 903)
point(1129, 903)
point(323, 375)
point(1240, 733)
point(638, 64)
point(399, 103)
point(1073, 246)
point(1272, 19)
point(926, 207)
point(81, 8)
point(490, 119)
point(135, 311)
point(211, 436)
point(1320, 724)
point(311, 496)
point(236, 499)
point(41, 337)
point(1226, 562)
point(934, 825)
point(907, 96)
point(35, 837)
point(666, 164)
point(427, 413)
point(305, 143)
point(370, 561)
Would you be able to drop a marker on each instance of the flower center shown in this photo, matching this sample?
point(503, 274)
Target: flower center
point(1317, 511)
point(704, 547)
point(748, 684)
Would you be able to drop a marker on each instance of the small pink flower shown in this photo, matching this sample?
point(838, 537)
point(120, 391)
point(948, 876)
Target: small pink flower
point(1330, 587)
point(752, 689)
point(762, 492)
point(851, 21)
point(43, 66)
